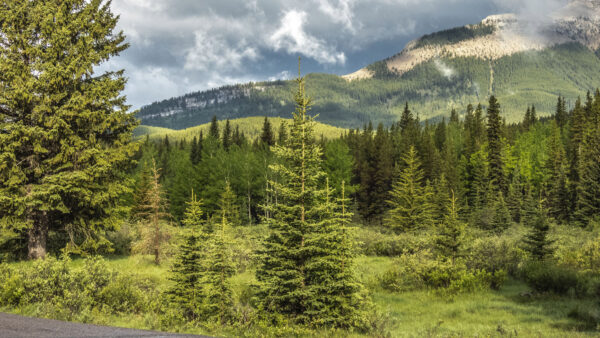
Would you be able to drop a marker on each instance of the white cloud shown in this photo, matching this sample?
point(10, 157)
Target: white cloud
point(342, 13)
point(212, 52)
point(291, 37)
point(446, 71)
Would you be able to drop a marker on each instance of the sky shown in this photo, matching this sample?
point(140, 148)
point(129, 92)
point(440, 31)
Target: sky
point(182, 46)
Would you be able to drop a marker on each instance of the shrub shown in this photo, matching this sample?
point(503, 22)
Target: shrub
point(495, 253)
point(375, 243)
point(546, 276)
point(11, 286)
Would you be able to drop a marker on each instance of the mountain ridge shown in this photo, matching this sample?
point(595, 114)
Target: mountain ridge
point(522, 63)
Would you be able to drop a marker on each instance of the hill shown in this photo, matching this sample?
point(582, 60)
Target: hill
point(503, 55)
point(250, 126)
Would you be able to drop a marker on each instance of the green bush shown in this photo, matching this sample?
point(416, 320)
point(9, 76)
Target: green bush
point(548, 277)
point(588, 316)
point(423, 271)
point(372, 242)
point(496, 253)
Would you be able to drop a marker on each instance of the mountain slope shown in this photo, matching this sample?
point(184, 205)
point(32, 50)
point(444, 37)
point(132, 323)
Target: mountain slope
point(250, 126)
point(520, 63)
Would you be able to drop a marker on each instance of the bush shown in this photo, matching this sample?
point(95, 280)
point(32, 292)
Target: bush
point(589, 317)
point(496, 253)
point(375, 243)
point(422, 270)
point(548, 277)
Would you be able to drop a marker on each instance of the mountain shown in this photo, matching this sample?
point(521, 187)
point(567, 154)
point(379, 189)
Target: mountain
point(521, 60)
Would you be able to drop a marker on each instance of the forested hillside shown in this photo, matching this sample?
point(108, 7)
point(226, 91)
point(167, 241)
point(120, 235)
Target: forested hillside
point(518, 80)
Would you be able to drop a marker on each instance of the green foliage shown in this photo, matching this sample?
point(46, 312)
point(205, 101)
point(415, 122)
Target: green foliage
point(66, 131)
point(410, 201)
point(454, 35)
point(545, 276)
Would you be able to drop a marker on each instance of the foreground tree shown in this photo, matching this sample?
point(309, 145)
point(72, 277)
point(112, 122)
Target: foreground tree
point(65, 132)
point(537, 242)
point(300, 259)
point(188, 266)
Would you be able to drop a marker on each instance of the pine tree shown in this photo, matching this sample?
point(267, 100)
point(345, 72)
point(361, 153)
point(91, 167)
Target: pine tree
point(214, 128)
point(588, 187)
point(218, 269)
point(187, 269)
point(227, 140)
point(494, 130)
point(454, 117)
point(282, 134)
point(537, 242)
point(194, 151)
point(294, 274)
point(450, 232)
point(406, 119)
point(153, 211)
point(66, 136)
point(410, 202)
point(267, 137)
point(502, 218)
point(558, 196)
point(561, 115)
point(514, 198)
point(383, 171)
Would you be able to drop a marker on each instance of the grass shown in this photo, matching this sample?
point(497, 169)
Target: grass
point(250, 126)
point(411, 314)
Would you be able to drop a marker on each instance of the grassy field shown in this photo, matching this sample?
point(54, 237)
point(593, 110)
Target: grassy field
point(503, 313)
point(250, 126)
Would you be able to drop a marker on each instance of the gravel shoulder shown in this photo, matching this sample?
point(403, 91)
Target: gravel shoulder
point(14, 326)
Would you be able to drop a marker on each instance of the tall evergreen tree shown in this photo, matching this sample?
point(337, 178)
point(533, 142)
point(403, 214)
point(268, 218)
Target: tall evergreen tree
point(450, 232)
point(218, 269)
point(227, 136)
point(66, 136)
point(561, 115)
point(558, 196)
point(282, 134)
point(494, 132)
point(213, 130)
point(294, 274)
point(267, 137)
point(188, 268)
point(410, 201)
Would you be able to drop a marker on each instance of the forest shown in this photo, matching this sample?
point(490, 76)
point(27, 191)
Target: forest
point(469, 225)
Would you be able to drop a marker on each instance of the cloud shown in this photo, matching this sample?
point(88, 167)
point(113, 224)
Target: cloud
point(181, 46)
point(446, 71)
point(293, 39)
point(211, 52)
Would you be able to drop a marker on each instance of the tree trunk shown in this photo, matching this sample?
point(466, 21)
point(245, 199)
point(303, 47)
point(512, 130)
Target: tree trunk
point(37, 237)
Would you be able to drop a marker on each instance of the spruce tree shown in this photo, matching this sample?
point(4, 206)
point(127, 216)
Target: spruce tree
point(558, 196)
point(450, 232)
point(227, 138)
point(295, 271)
point(282, 134)
point(494, 132)
point(410, 201)
point(188, 266)
point(153, 210)
point(561, 115)
point(588, 187)
point(218, 269)
point(537, 242)
point(65, 133)
point(213, 130)
point(194, 151)
point(267, 137)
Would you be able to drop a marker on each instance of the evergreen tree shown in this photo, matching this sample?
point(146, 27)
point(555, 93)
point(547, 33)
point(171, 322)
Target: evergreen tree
point(558, 196)
point(502, 217)
point(450, 232)
point(295, 273)
point(65, 134)
point(213, 131)
point(588, 187)
point(440, 135)
point(227, 138)
point(561, 115)
point(218, 269)
point(153, 210)
point(383, 171)
point(187, 269)
point(454, 117)
point(267, 137)
point(194, 151)
point(494, 131)
point(514, 198)
point(406, 119)
point(282, 134)
point(537, 242)
point(410, 202)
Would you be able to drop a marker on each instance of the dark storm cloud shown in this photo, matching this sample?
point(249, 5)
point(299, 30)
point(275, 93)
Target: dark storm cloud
point(179, 46)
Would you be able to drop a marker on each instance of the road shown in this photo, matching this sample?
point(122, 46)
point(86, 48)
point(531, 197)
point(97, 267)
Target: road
point(13, 326)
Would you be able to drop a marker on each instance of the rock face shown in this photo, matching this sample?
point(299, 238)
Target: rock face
point(579, 21)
